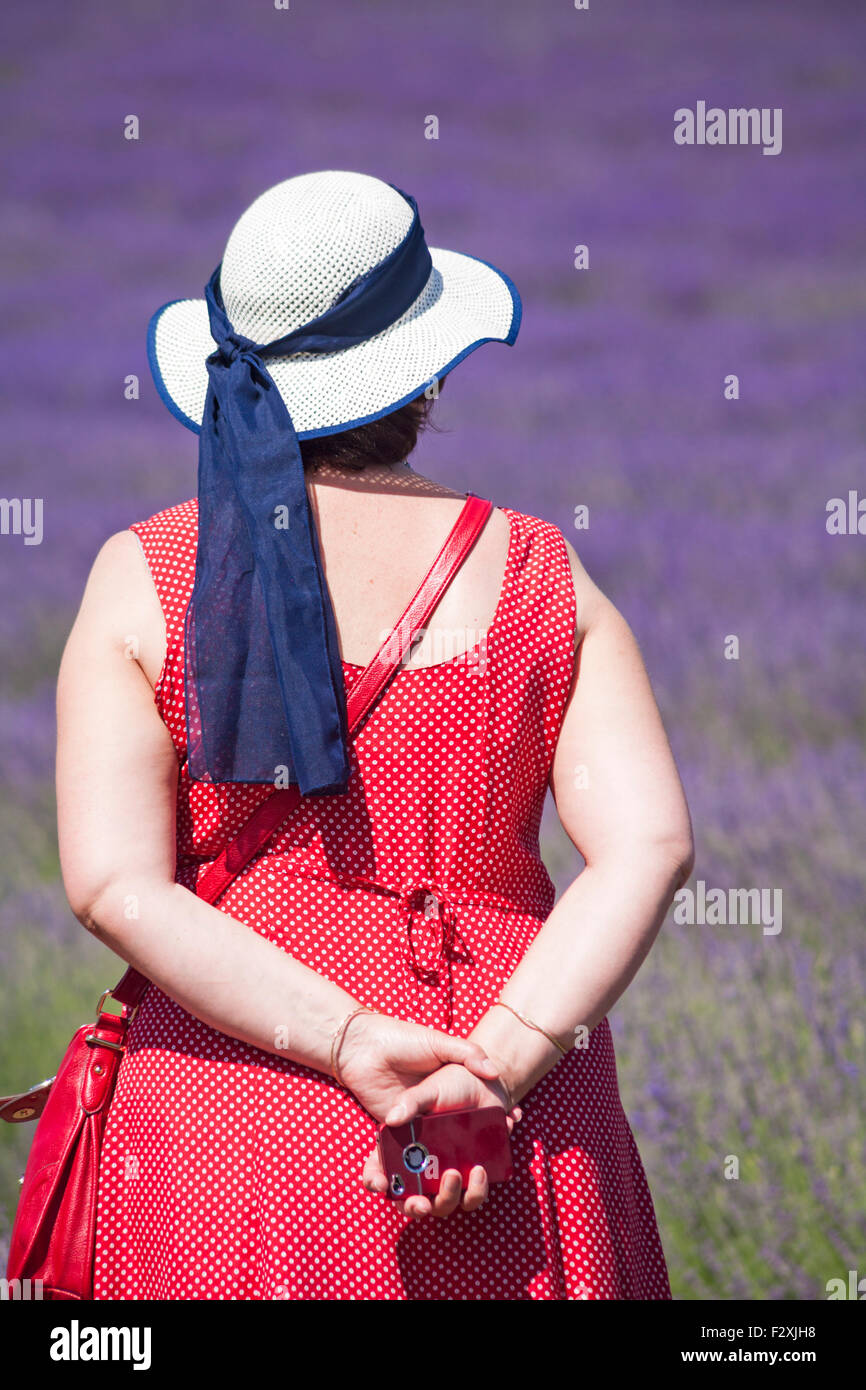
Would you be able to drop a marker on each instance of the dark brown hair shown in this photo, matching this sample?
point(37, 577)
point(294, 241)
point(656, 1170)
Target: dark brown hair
point(385, 441)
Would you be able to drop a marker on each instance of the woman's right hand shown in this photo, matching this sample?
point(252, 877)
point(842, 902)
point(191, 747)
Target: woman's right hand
point(380, 1057)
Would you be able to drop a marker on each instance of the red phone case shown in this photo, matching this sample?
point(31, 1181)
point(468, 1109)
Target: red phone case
point(416, 1154)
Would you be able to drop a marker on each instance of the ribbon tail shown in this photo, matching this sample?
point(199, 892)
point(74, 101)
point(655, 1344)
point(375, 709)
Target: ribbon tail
point(222, 702)
point(264, 661)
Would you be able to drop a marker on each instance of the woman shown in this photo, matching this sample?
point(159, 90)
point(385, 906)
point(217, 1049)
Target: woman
point(395, 948)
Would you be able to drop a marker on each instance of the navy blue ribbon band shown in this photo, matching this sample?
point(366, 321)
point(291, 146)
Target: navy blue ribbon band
point(263, 677)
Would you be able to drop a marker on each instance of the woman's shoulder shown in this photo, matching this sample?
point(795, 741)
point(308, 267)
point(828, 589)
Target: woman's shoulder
point(174, 520)
point(547, 540)
point(148, 567)
point(541, 532)
point(120, 607)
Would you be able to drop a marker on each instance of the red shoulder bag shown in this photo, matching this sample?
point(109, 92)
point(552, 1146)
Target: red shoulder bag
point(54, 1232)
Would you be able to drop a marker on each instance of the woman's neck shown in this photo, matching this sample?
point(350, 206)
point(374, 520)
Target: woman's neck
point(375, 478)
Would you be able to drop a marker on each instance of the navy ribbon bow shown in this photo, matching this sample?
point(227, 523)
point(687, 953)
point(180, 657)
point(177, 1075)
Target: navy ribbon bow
point(265, 695)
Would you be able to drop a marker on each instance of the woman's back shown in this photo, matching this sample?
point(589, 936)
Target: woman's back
point(377, 546)
point(419, 891)
point(451, 767)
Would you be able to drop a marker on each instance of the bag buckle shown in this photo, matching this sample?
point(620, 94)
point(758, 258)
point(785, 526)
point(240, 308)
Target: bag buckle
point(103, 1042)
point(128, 1014)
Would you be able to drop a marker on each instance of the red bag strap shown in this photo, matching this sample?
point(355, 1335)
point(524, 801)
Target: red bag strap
point(270, 813)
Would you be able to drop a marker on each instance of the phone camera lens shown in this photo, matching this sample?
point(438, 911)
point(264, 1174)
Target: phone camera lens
point(415, 1157)
point(398, 1187)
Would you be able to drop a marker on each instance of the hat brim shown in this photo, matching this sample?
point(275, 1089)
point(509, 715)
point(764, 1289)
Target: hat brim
point(466, 302)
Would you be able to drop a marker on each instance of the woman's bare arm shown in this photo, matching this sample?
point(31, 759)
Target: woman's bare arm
point(116, 788)
point(620, 799)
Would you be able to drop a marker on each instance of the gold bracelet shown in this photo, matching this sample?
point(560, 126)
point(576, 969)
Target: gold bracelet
point(530, 1024)
point(337, 1038)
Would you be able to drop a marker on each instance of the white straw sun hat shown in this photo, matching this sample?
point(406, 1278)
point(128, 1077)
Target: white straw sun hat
point(295, 251)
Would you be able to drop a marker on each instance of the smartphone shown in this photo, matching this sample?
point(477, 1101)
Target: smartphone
point(416, 1154)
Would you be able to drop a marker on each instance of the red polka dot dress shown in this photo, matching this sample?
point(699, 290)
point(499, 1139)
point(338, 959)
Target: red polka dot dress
point(231, 1173)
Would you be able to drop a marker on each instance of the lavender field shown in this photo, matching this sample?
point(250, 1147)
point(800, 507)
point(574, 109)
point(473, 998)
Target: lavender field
point(707, 516)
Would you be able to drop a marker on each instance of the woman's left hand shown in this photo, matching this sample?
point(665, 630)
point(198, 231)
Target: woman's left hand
point(451, 1087)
